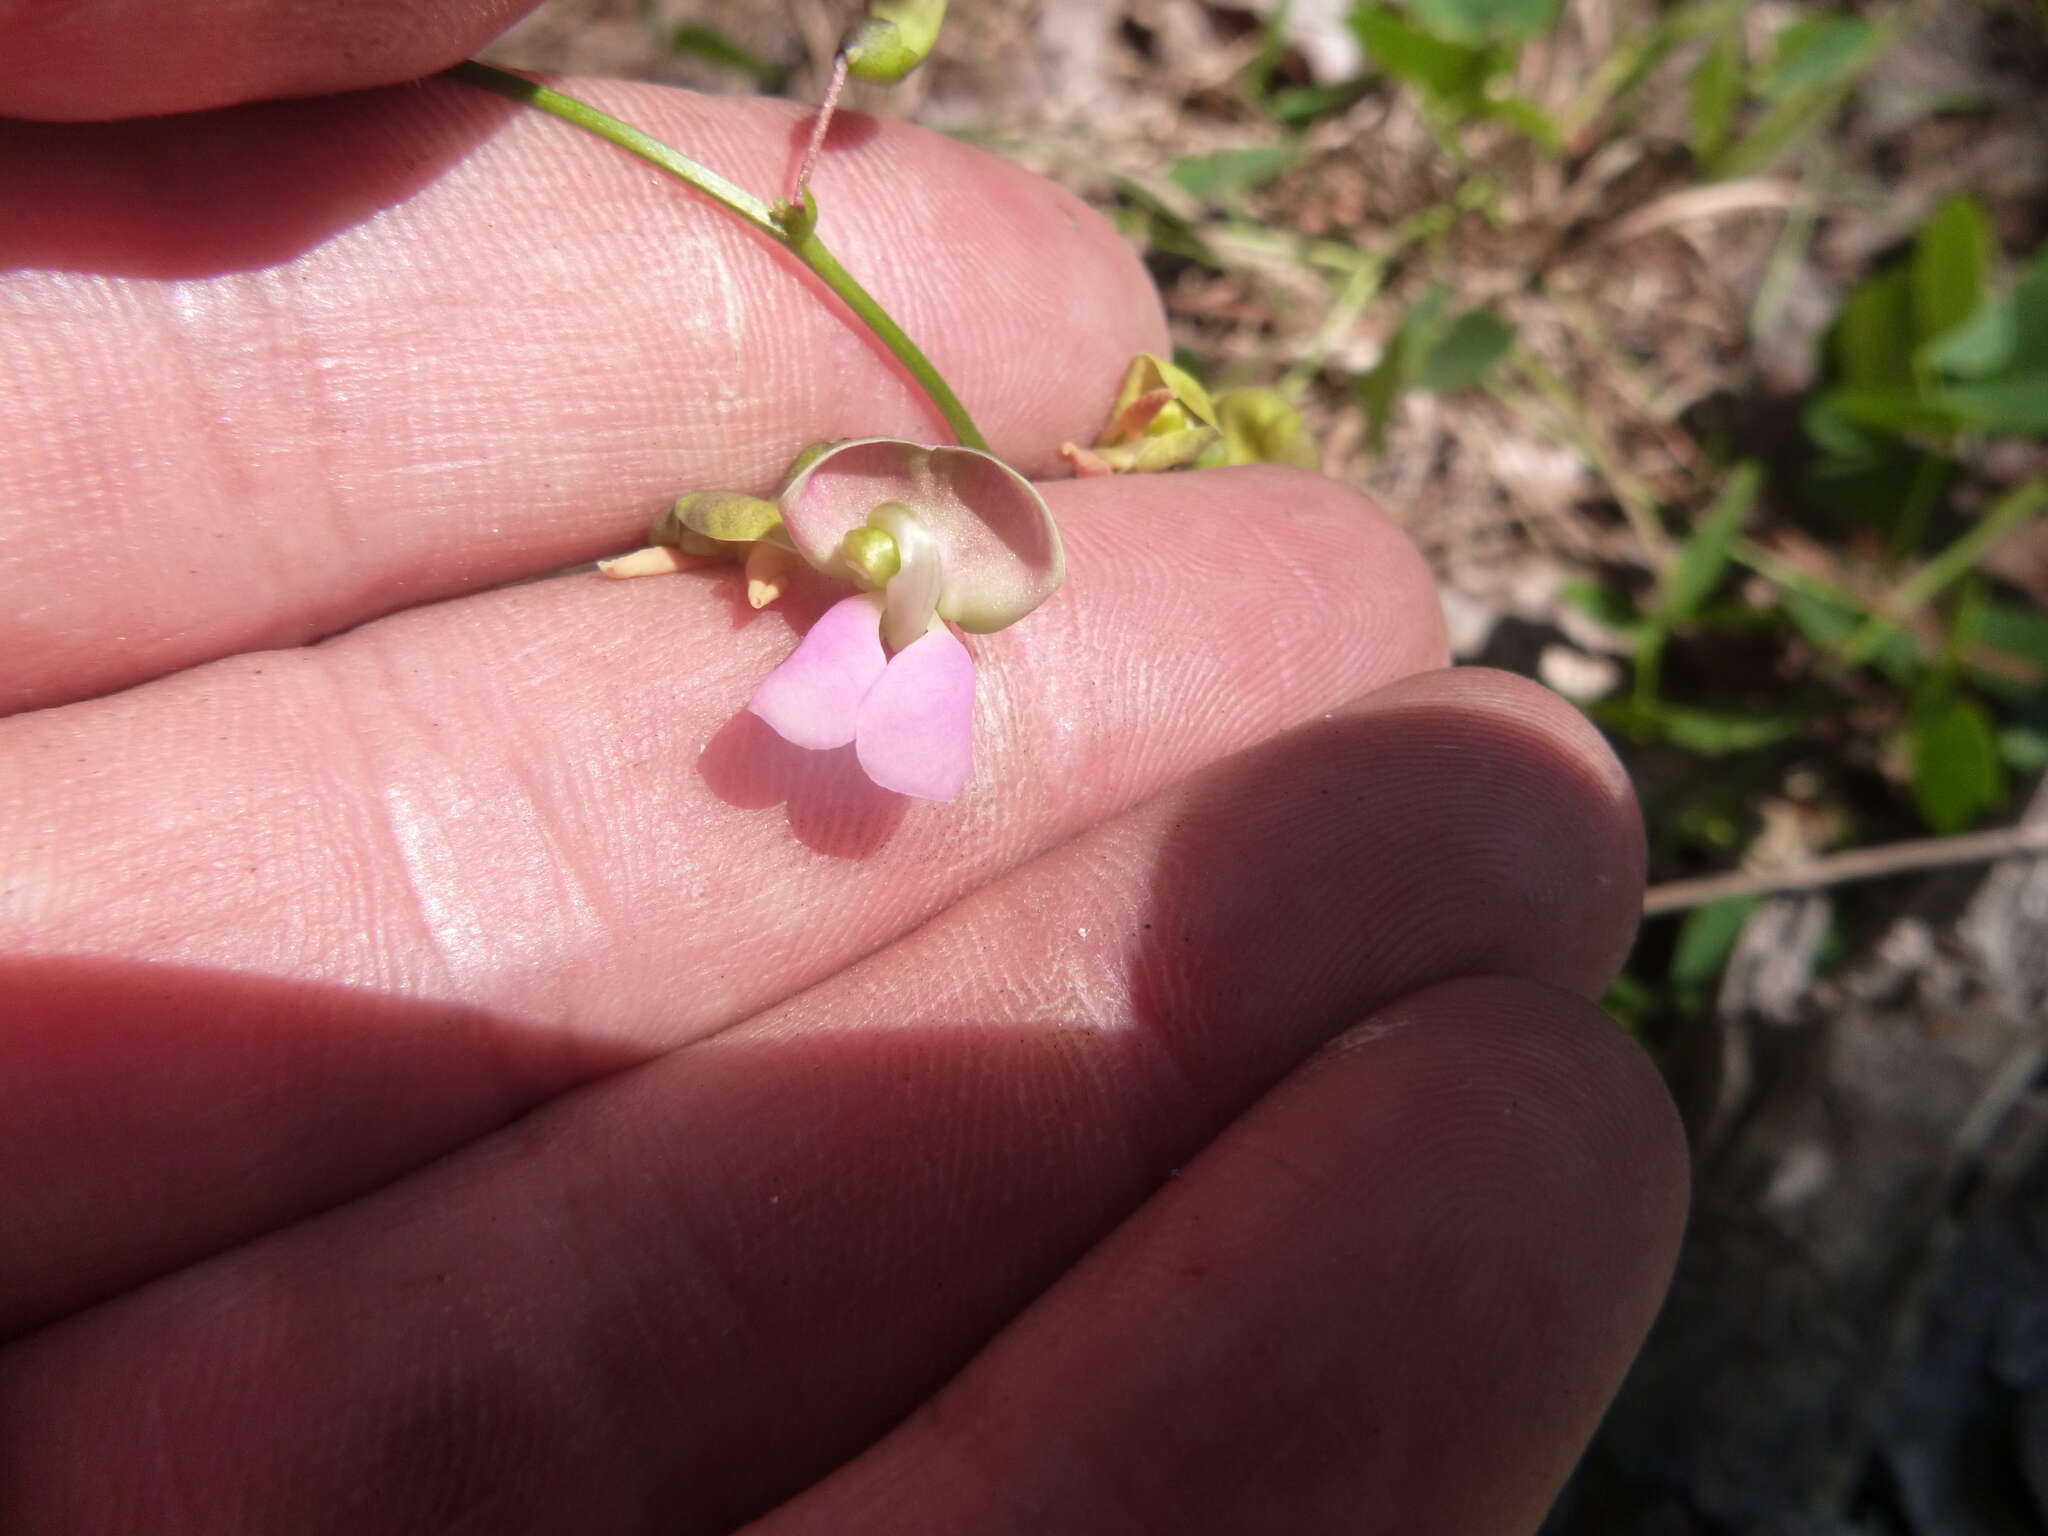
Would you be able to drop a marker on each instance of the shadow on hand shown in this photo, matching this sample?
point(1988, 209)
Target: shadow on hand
point(233, 190)
point(811, 1221)
point(151, 1115)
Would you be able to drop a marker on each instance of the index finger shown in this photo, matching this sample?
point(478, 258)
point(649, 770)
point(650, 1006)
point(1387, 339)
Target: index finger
point(75, 59)
point(248, 404)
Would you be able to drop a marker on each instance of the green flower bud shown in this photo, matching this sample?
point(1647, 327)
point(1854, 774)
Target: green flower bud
point(871, 555)
point(893, 39)
point(1260, 427)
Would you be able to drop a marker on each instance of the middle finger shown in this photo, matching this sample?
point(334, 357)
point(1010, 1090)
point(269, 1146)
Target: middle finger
point(544, 803)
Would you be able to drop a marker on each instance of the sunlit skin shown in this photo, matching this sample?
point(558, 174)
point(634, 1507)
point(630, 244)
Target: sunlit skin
point(467, 1073)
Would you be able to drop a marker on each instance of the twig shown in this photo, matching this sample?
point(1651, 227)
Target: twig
point(1716, 200)
point(1842, 868)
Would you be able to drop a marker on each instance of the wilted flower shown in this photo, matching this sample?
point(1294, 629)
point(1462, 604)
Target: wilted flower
point(1162, 419)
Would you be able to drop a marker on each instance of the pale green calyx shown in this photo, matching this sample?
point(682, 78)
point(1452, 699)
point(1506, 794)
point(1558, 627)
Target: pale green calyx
point(870, 553)
point(1260, 427)
point(893, 38)
point(726, 516)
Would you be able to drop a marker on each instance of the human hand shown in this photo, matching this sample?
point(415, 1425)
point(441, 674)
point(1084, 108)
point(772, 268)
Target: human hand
point(466, 1074)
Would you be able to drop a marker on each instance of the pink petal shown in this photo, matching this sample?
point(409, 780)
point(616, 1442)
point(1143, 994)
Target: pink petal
point(814, 698)
point(916, 731)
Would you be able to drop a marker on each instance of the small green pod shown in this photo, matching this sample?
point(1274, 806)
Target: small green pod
point(892, 39)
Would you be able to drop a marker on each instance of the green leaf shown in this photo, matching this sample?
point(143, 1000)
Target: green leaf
point(1256, 79)
point(1874, 335)
point(1705, 940)
point(1483, 21)
point(1398, 364)
point(1714, 92)
point(1164, 218)
point(1815, 64)
point(1294, 105)
point(1837, 435)
point(1957, 773)
point(1951, 260)
point(1231, 171)
point(1999, 334)
point(1429, 352)
point(1526, 118)
point(2030, 314)
point(2024, 748)
point(1461, 356)
point(1449, 71)
point(1866, 470)
point(1696, 569)
point(1705, 732)
point(1598, 603)
point(1816, 52)
point(2015, 404)
point(1980, 346)
point(1716, 733)
point(714, 47)
point(1825, 624)
point(1625, 1001)
point(2023, 632)
point(1894, 412)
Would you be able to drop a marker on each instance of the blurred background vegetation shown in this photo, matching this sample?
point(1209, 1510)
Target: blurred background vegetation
point(1703, 347)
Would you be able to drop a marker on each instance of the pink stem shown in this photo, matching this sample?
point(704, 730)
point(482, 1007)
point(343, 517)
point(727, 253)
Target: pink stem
point(824, 121)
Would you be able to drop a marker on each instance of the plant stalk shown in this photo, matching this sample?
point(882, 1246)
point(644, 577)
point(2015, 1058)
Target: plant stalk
point(795, 234)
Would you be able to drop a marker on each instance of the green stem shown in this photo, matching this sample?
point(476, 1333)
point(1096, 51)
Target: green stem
point(795, 234)
point(2012, 511)
point(532, 93)
point(810, 250)
point(1923, 491)
point(1582, 433)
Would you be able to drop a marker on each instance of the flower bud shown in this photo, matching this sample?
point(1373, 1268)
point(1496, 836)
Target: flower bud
point(871, 555)
point(1260, 427)
point(893, 39)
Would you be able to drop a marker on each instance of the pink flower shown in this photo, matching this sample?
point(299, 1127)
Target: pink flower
point(931, 534)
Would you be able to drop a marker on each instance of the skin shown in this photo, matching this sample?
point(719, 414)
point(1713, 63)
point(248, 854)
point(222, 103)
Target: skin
point(464, 1074)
